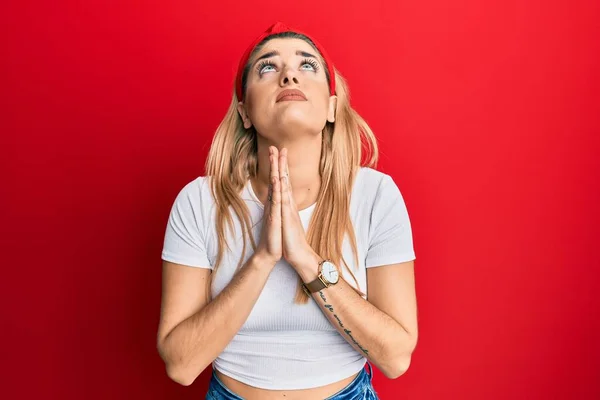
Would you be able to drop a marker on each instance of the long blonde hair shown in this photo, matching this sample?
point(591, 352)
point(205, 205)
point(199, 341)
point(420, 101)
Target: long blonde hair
point(232, 161)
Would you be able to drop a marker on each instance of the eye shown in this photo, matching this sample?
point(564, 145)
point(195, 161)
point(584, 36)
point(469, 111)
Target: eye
point(265, 66)
point(312, 64)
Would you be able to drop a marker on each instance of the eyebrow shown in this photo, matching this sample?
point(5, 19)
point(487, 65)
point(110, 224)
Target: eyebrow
point(276, 53)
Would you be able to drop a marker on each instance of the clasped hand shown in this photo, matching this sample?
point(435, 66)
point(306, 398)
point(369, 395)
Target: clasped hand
point(282, 232)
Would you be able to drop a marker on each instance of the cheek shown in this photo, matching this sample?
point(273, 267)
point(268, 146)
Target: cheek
point(252, 100)
point(257, 90)
point(321, 90)
point(258, 109)
point(322, 103)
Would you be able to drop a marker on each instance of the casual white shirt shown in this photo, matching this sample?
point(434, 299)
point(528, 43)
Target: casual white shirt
point(282, 345)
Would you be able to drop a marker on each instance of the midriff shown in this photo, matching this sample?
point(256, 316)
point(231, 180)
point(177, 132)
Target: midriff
point(253, 393)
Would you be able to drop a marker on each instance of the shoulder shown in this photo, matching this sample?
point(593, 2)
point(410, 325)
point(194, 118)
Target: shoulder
point(195, 188)
point(377, 195)
point(195, 193)
point(370, 176)
point(369, 183)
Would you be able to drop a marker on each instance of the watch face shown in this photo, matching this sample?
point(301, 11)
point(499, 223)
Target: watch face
point(330, 272)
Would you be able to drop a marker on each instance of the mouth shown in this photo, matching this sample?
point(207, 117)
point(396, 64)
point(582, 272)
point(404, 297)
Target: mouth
point(291, 95)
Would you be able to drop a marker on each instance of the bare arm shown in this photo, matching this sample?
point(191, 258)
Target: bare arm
point(384, 328)
point(192, 332)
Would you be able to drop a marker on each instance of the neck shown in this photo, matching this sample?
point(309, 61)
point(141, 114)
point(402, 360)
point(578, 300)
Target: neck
point(303, 162)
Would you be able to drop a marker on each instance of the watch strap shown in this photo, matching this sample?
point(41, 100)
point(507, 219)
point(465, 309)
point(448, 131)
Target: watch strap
point(315, 285)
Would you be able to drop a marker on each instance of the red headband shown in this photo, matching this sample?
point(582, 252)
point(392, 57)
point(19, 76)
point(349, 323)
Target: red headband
point(278, 27)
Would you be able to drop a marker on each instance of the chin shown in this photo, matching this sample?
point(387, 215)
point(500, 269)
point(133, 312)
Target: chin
point(299, 120)
point(293, 127)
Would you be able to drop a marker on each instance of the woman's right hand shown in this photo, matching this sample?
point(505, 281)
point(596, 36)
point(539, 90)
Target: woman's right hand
point(269, 248)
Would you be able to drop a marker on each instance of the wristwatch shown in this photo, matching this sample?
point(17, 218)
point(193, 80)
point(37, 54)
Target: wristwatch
point(328, 275)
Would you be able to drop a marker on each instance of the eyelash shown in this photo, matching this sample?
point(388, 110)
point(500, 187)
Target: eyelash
point(268, 63)
point(314, 64)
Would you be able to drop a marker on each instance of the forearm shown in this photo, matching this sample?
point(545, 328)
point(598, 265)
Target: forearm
point(373, 333)
point(198, 340)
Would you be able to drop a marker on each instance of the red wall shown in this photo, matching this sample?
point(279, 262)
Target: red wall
point(488, 117)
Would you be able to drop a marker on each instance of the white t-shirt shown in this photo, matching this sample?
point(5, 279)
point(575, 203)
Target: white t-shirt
point(282, 345)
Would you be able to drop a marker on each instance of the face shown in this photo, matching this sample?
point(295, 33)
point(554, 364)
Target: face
point(293, 67)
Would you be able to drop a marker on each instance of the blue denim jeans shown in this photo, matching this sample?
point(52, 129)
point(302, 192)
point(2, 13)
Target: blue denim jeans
point(360, 388)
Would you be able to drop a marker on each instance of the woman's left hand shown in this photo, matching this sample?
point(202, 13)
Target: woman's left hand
point(296, 249)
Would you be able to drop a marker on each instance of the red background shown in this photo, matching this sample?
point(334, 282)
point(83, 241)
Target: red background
point(488, 119)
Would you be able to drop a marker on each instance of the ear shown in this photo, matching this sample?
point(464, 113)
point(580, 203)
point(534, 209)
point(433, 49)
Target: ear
point(332, 109)
point(242, 111)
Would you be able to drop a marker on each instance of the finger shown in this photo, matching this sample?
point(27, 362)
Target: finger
point(285, 194)
point(275, 203)
point(287, 174)
point(267, 208)
point(289, 197)
point(275, 207)
point(273, 159)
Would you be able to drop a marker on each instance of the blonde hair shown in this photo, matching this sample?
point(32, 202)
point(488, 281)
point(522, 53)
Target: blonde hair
point(232, 161)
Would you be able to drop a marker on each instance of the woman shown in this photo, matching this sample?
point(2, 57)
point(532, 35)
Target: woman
point(269, 258)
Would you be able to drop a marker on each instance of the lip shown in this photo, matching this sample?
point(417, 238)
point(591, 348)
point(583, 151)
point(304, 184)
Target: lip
point(291, 95)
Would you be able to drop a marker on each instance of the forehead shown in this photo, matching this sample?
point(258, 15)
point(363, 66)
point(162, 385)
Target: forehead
point(287, 47)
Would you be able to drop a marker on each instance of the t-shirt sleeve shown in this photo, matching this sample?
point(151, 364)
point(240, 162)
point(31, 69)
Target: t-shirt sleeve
point(390, 235)
point(184, 241)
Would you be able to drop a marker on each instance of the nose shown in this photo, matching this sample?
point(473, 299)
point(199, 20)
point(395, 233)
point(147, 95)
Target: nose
point(288, 76)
